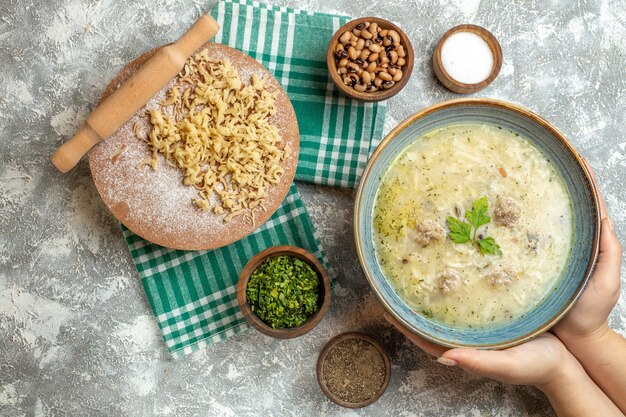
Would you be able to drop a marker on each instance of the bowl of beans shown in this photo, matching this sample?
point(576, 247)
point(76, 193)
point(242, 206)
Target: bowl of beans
point(283, 291)
point(370, 59)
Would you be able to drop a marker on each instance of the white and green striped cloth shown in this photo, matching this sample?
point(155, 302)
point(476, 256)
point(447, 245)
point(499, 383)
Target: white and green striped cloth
point(336, 132)
point(193, 293)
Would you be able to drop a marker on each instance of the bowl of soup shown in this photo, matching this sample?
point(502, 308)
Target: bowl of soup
point(477, 224)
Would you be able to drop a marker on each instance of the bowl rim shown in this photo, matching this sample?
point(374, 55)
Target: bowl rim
point(324, 291)
point(556, 134)
point(377, 96)
point(319, 368)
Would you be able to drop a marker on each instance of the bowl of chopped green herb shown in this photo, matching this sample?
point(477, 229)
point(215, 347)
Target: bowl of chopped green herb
point(283, 291)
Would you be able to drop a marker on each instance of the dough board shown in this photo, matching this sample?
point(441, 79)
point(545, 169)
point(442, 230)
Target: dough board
point(155, 204)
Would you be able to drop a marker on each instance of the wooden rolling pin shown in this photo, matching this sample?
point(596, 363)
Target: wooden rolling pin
point(134, 93)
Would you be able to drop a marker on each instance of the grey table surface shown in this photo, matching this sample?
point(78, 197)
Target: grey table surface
point(76, 333)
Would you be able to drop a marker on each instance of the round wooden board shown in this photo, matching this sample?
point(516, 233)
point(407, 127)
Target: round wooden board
point(155, 204)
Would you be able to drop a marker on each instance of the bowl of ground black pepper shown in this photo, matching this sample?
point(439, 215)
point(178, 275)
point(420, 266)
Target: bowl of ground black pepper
point(370, 59)
point(283, 291)
point(353, 370)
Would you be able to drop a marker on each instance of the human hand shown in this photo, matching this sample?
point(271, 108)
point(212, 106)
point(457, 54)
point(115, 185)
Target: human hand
point(588, 318)
point(540, 362)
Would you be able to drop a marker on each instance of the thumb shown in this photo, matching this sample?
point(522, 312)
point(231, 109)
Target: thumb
point(494, 364)
point(610, 257)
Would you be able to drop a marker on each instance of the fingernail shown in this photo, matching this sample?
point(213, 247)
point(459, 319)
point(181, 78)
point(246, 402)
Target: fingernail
point(446, 361)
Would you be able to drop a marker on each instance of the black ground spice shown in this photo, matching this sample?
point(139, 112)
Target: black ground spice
point(354, 370)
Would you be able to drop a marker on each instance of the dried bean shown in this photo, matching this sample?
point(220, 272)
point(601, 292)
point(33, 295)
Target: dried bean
point(360, 88)
point(342, 54)
point(387, 41)
point(352, 67)
point(352, 53)
point(368, 43)
point(375, 48)
point(393, 57)
point(400, 51)
point(345, 37)
point(388, 84)
point(360, 26)
point(378, 40)
point(360, 44)
point(366, 77)
point(392, 70)
point(343, 62)
point(394, 35)
point(383, 33)
point(356, 32)
point(343, 70)
point(371, 66)
point(401, 62)
point(397, 76)
point(385, 76)
point(365, 34)
point(364, 54)
point(373, 29)
point(378, 82)
point(390, 48)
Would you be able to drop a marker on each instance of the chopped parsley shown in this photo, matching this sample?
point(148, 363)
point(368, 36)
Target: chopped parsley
point(461, 231)
point(283, 291)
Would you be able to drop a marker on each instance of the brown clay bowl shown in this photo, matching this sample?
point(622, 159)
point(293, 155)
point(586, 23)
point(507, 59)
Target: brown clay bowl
point(407, 68)
point(457, 86)
point(323, 300)
point(320, 368)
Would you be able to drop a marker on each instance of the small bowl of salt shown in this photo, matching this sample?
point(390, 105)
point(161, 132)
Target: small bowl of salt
point(467, 59)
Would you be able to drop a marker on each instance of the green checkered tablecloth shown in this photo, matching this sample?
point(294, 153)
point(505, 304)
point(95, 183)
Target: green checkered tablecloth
point(193, 293)
point(335, 131)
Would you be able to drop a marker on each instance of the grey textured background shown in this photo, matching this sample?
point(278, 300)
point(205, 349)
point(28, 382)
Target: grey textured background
point(76, 333)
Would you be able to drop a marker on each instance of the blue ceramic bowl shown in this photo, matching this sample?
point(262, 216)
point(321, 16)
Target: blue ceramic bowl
point(582, 192)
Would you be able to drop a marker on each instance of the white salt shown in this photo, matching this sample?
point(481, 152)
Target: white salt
point(467, 57)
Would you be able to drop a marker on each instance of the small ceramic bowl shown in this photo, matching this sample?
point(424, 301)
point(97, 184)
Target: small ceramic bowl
point(578, 182)
point(320, 368)
point(407, 68)
point(455, 85)
point(323, 300)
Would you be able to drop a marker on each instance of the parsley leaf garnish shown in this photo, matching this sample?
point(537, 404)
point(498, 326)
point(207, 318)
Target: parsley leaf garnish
point(478, 217)
point(461, 232)
point(489, 245)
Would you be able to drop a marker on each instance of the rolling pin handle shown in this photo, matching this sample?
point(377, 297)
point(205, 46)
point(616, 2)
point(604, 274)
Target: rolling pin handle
point(68, 154)
point(201, 31)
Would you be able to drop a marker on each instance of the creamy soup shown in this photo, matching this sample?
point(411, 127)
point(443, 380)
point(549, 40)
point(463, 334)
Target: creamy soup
point(437, 260)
